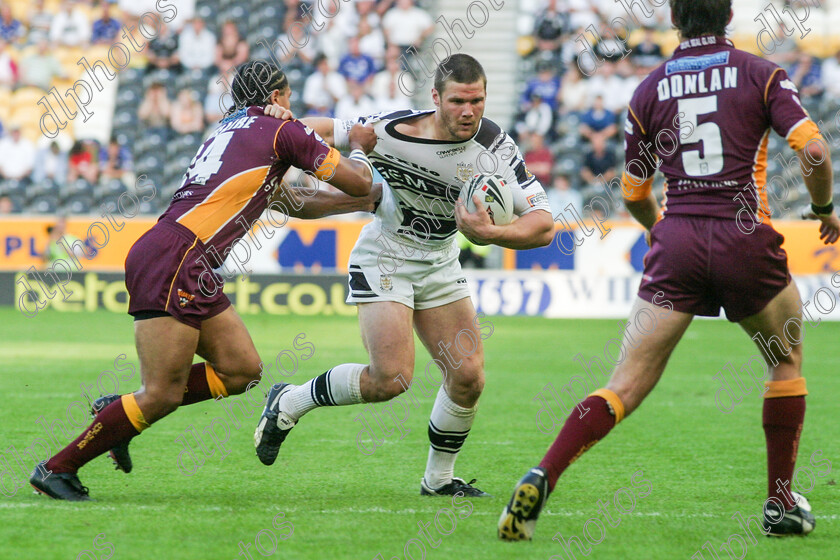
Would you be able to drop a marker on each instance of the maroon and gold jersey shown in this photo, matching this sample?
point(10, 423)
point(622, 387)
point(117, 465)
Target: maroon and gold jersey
point(232, 177)
point(705, 115)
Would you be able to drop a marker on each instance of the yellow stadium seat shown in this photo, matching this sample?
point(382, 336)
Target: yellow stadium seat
point(5, 104)
point(29, 119)
point(62, 84)
point(69, 58)
point(26, 97)
point(669, 41)
point(20, 9)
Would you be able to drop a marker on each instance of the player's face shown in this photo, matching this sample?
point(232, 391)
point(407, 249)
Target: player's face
point(460, 108)
point(282, 98)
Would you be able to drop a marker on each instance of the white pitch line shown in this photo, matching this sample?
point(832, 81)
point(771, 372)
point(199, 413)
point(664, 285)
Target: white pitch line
point(378, 509)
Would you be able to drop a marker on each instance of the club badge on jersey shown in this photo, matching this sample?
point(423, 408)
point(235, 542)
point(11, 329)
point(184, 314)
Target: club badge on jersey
point(464, 171)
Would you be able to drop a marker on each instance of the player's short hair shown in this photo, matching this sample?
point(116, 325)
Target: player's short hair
point(253, 83)
point(459, 68)
point(695, 18)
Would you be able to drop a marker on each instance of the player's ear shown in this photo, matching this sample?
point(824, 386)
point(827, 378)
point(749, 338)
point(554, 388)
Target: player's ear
point(435, 97)
point(731, 13)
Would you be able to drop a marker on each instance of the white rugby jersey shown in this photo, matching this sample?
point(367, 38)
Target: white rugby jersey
point(423, 177)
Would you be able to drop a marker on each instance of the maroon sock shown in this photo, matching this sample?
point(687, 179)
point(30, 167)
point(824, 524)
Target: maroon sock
point(577, 435)
point(198, 389)
point(782, 419)
point(110, 428)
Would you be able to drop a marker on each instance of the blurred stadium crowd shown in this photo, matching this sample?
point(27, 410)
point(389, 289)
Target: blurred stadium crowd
point(172, 92)
point(568, 122)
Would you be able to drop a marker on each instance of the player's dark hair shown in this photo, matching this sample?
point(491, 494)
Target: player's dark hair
point(253, 82)
point(695, 18)
point(459, 68)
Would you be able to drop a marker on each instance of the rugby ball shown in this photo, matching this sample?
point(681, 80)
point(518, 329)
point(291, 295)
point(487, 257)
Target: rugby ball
point(493, 193)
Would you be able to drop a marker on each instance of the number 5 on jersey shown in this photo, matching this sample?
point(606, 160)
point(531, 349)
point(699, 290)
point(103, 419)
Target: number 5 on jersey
point(708, 134)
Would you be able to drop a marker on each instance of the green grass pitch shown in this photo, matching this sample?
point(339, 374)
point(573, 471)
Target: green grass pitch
point(703, 465)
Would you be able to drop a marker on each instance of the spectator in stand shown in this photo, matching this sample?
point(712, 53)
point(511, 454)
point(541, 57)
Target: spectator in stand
point(538, 159)
point(648, 53)
point(41, 67)
point(355, 66)
point(805, 73)
point(371, 38)
point(387, 88)
point(831, 77)
point(610, 47)
point(573, 91)
point(323, 88)
point(155, 108)
point(84, 161)
point(232, 48)
point(6, 205)
point(8, 67)
point(50, 163)
point(538, 118)
point(106, 28)
point(217, 100)
point(549, 27)
point(187, 115)
point(115, 162)
point(598, 161)
point(196, 45)
point(11, 30)
point(560, 194)
point(407, 25)
point(785, 52)
point(18, 155)
point(162, 51)
point(355, 103)
point(292, 56)
point(40, 22)
point(626, 73)
point(295, 12)
point(545, 85)
point(607, 83)
point(70, 26)
point(598, 123)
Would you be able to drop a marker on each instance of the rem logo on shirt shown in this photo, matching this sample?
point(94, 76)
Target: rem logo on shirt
point(696, 63)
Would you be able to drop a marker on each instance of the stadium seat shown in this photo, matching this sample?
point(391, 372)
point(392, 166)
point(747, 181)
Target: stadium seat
point(78, 204)
point(5, 104)
point(79, 186)
point(42, 205)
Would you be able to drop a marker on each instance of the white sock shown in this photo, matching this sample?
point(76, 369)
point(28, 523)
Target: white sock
point(338, 386)
point(449, 426)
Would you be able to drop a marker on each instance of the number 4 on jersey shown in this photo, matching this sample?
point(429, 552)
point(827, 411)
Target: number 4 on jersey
point(208, 161)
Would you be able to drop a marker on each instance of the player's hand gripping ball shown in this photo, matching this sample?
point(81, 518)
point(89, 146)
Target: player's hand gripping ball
point(493, 193)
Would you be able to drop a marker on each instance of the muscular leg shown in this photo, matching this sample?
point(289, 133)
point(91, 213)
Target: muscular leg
point(448, 332)
point(227, 346)
point(165, 348)
point(777, 330)
point(389, 340)
point(387, 336)
point(631, 381)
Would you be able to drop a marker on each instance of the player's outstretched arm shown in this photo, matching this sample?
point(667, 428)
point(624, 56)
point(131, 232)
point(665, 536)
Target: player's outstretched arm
point(354, 174)
point(323, 126)
point(534, 229)
point(307, 204)
point(815, 164)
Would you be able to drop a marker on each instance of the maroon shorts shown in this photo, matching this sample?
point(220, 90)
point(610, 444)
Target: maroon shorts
point(165, 271)
point(703, 264)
